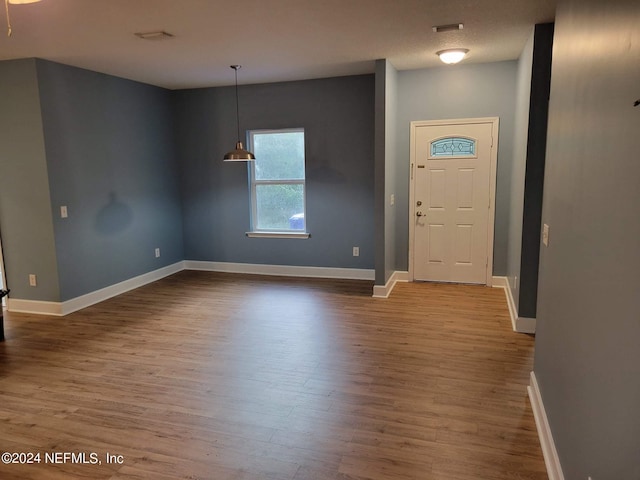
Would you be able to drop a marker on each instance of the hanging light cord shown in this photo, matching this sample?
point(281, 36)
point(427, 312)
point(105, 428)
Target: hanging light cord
point(235, 68)
point(6, 8)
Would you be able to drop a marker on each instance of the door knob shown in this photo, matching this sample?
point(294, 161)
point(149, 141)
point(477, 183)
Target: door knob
point(419, 214)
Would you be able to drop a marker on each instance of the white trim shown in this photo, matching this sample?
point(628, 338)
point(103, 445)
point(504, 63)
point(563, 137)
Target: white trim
point(383, 291)
point(519, 324)
point(3, 277)
point(277, 235)
point(83, 301)
point(253, 182)
point(511, 303)
point(499, 282)
point(103, 294)
point(34, 306)
point(551, 460)
point(525, 325)
point(493, 165)
point(282, 270)
point(493, 179)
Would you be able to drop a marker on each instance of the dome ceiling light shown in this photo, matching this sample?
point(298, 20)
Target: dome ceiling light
point(452, 55)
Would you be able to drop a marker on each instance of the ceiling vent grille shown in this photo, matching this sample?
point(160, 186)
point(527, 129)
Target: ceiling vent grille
point(448, 28)
point(159, 35)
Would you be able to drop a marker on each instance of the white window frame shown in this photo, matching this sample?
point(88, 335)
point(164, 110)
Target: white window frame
point(253, 183)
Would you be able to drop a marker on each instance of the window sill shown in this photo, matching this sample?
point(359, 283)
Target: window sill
point(278, 235)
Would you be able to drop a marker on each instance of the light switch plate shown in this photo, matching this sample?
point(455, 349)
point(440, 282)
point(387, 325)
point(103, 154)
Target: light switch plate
point(545, 235)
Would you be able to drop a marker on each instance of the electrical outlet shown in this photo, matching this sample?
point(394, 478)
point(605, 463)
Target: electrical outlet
point(157, 252)
point(356, 251)
point(32, 280)
point(63, 211)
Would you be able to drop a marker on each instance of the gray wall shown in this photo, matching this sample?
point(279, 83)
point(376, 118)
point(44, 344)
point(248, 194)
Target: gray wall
point(385, 169)
point(391, 168)
point(111, 161)
point(459, 91)
point(338, 117)
point(534, 171)
point(587, 359)
point(521, 128)
point(380, 162)
point(25, 207)
point(527, 176)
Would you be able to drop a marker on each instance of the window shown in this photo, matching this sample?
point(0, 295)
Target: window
point(453, 147)
point(277, 182)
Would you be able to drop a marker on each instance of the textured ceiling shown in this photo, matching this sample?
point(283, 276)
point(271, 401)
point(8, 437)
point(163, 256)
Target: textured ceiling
point(274, 40)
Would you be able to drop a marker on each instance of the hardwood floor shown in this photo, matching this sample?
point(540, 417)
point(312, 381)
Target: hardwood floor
point(219, 376)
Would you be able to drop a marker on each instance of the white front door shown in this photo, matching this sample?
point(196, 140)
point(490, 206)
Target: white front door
point(452, 202)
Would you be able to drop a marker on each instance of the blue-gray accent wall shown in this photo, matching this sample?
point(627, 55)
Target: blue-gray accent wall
point(460, 91)
point(111, 161)
point(337, 115)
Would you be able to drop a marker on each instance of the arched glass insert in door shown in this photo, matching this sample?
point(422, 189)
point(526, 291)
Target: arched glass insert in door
point(453, 147)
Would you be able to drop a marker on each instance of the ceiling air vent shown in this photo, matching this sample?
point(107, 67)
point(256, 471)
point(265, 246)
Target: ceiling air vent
point(448, 28)
point(159, 35)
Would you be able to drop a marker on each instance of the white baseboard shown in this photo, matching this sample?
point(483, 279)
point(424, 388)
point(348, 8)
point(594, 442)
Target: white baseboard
point(78, 303)
point(34, 307)
point(383, 291)
point(519, 324)
point(499, 282)
point(103, 294)
point(282, 270)
point(551, 460)
point(525, 325)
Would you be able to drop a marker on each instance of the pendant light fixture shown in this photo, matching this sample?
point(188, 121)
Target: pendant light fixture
point(239, 154)
point(6, 8)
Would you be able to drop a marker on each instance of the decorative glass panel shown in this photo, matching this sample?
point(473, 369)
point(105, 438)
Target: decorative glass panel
point(453, 147)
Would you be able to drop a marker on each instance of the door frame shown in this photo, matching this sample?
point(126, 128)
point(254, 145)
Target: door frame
point(495, 123)
point(3, 276)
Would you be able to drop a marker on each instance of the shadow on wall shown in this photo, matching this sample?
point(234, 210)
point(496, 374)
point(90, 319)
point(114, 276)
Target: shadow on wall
point(320, 168)
point(114, 217)
point(326, 174)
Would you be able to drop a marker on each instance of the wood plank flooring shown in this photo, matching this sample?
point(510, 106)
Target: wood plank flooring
point(219, 376)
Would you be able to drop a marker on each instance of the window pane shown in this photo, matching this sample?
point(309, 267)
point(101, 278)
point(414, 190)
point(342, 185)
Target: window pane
point(453, 147)
point(279, 207)
point(279, 156)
